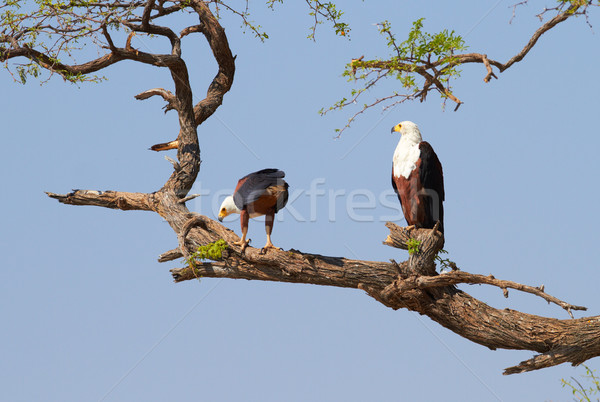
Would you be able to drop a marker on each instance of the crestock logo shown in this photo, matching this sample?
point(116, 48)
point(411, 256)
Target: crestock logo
point(310, 204)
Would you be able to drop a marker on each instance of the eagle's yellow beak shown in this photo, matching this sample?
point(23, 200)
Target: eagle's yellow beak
point(222, 214)
point(396, 128)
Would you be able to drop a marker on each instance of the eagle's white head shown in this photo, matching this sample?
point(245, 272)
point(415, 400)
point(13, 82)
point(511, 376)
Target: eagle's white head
point(227, 208)
point(409, 132)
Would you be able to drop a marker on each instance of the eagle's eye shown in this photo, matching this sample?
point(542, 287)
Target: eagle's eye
point(222, 210)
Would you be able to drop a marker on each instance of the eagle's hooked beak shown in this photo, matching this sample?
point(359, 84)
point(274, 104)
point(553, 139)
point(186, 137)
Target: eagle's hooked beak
point(396, 128)
point(220, 217)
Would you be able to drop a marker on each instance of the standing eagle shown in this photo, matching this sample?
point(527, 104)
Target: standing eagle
point(259, 193)
point(417, 178)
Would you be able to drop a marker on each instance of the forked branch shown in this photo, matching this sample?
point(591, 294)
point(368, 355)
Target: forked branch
point(458, 277)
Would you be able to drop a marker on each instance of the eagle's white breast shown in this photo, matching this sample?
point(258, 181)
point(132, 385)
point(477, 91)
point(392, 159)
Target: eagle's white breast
point(405, 158)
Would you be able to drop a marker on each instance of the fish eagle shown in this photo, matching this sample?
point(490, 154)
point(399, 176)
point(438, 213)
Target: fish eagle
point(417, 178)
point(259, 193)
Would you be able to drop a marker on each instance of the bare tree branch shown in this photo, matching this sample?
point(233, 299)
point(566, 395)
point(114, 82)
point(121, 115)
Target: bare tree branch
point(217, 40)
point(108, 199)
point(457, 277)
point(170, 255)
point(563, 16)
point(166, 95)
point(146, 16)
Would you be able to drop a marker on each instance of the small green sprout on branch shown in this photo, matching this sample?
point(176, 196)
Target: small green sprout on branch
point(413, 246)
point(211, 251)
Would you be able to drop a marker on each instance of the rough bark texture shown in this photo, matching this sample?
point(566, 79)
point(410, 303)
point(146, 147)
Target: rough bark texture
point(413, 284)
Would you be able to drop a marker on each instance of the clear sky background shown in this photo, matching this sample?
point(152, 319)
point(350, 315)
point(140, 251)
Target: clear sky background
point(89, 314)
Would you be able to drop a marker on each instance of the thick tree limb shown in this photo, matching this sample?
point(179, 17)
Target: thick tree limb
point(217, 40)
point(108, 199)
point(293, 267)
point(146, 15)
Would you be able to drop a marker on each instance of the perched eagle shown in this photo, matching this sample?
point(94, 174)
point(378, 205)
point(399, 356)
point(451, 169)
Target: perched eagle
point(417, 178)
point(259, 193)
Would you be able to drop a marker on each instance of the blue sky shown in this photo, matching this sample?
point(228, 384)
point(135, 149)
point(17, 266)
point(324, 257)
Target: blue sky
point(89, 314)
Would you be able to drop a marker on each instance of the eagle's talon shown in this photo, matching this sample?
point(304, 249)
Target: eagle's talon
point(268, 247)
point(242, 243)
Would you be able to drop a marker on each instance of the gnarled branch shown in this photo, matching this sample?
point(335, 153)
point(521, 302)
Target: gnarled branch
point(456, 277)
point(108, 199)
point(171, 100)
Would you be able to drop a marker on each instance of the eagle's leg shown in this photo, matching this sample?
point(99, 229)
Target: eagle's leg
point(269, 218)
point(244, 218)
